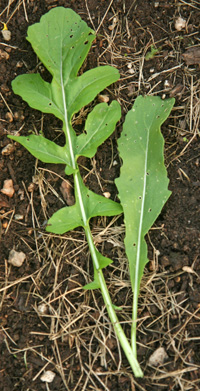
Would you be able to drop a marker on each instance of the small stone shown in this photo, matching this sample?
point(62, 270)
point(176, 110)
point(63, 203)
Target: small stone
point(6, 34)
point(18, 217)
point(180, 23)
point(16, 258)
point(107, 194)
point(158, 357)
point(8, 188)
point(19, 64)
point(9, 117)
point(103, 98)
point(48, 376)
point(43, 308)
point(31, 187)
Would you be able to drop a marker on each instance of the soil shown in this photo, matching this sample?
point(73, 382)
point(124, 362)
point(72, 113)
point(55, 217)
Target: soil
point(73, 336)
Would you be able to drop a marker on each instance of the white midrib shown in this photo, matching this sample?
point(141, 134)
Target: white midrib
point(136, 282)
point(76, 179)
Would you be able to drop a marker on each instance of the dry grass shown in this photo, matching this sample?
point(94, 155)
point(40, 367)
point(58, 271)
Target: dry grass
point(76, 319)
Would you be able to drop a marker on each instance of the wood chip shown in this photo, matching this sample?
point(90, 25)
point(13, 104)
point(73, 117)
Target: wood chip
point(192, 55)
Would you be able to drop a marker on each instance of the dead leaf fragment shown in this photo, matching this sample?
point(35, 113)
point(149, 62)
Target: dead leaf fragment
point(192, 55)
point(3, 203)
point(158, 357)
point(177, 91)
point(4, 55)
point(8, 149)
point(8, 188)
point(16, 258)
point(67, 192)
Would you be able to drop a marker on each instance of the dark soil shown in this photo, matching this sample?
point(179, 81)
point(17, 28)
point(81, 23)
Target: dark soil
point(169, 305)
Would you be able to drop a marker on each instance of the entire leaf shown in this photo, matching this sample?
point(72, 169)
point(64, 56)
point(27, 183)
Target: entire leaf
point(99, 125)
point(143, 182)
point(43, 149)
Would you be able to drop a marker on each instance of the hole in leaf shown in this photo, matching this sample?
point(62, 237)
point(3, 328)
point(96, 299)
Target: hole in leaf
point(71, 36)
point(140, 197)
point(50, 104)
point(88, 196)
point(149, 210)
point(147, 173)
point(85, 43)
point(134, 244)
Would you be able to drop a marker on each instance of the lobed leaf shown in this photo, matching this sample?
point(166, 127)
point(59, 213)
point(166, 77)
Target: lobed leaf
point(70, 217)
point(143, 182)
point(62, 47)
point(103, 262)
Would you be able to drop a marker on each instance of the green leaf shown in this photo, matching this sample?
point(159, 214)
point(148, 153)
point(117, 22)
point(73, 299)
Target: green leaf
point(61, 41)
point(103, 262)
point(38, 94)
point(143, 182)
point(84, 89)
point(151, 54)
point(99, 125)
point(71, 217)
point(43, 149)
point(65, 219)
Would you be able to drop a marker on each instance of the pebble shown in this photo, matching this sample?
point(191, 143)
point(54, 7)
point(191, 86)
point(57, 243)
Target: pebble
point(6, 34)
point(158, 357)
point(16, 258)
point(8, 188)
point(48, 376)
